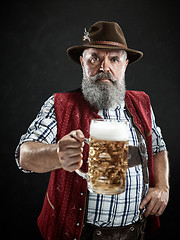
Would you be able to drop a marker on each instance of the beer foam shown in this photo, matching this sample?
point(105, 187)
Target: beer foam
point(109, 131)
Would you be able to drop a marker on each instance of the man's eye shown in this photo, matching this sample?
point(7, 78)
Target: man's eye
point(95, 59)
point(115, 60)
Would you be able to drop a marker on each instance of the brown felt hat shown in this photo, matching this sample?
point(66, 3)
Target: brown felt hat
point(104, 35)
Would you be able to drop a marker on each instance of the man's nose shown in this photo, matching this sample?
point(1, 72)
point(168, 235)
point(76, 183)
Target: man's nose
point(105, 66)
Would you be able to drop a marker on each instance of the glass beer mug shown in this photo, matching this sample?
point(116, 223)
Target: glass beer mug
point(108, 157)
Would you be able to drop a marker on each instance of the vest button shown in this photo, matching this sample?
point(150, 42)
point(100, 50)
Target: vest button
point(98, 233)
point(131, 229)
point(80, 209)
point(82, 193)
point(77, 224)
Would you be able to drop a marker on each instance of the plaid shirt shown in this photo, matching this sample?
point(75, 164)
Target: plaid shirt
point(103, 210)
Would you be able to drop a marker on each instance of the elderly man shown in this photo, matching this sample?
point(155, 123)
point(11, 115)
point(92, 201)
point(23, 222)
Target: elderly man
point(55, 142)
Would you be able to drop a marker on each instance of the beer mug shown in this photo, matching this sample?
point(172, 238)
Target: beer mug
point(108, 157)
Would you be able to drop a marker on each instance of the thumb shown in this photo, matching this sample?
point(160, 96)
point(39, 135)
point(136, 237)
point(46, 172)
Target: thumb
point(78, 135)
point(146, 199)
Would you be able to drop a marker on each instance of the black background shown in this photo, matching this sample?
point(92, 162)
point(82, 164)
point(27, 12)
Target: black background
point(34, 65)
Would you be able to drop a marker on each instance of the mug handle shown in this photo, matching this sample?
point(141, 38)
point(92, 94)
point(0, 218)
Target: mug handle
point(79, 171)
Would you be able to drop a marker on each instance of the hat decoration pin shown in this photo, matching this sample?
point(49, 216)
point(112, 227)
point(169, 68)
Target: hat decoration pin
point(86, 36)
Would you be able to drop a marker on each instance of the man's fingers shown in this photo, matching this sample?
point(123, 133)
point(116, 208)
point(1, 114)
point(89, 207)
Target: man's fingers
point(70, 149)
point(70, 141)
point(145, 201)
point(157, 200)
point(151, 208)
point(161, 210)
point(73, 167)
point(78, 135)
point(154, 208)
point(70, 153)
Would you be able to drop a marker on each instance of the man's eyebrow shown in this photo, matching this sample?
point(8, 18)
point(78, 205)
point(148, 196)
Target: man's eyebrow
point(94, 54)
point(114, 56)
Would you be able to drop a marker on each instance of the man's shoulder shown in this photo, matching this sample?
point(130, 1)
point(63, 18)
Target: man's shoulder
point(68, 96)
point(69, 91)
point(138, 95)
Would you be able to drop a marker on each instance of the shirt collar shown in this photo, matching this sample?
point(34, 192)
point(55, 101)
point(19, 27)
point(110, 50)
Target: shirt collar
point(119, 106)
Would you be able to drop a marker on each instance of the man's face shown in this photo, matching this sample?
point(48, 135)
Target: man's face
point(103, 82)
point(98, 60)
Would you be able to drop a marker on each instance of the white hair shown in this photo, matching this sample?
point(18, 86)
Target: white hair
point(123, 54)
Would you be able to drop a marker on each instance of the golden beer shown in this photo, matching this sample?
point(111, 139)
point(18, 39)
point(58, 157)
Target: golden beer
point(108, 157)
point(108, 162)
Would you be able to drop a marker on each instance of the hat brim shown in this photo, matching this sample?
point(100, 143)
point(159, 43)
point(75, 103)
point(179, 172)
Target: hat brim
point(76, 51)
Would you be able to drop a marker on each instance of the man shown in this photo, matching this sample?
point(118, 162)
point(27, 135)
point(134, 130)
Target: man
point(55, 142)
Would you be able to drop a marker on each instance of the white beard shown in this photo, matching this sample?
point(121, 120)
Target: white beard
point(103, 95)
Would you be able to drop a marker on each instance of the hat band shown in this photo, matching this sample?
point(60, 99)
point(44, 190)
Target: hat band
point(106, 43)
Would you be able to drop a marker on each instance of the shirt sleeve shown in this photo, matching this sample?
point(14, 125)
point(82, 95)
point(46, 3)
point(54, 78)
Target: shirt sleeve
point(42, 129)
point(158, 143)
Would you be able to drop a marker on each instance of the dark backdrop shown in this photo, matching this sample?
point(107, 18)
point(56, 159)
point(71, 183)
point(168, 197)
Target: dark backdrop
point(34, 65)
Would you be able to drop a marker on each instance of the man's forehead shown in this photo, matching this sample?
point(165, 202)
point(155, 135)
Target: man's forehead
point(92, 51)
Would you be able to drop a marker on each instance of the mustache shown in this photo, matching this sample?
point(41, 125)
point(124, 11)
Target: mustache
point(103, 75)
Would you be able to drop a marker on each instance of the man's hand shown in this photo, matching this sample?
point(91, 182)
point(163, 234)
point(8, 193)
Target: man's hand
point(43, 157)
point(157, 200)
point(70, 149)
point(157, 197)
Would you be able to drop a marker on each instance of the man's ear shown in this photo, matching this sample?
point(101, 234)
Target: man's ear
point(127, 62)
point(81, 61)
